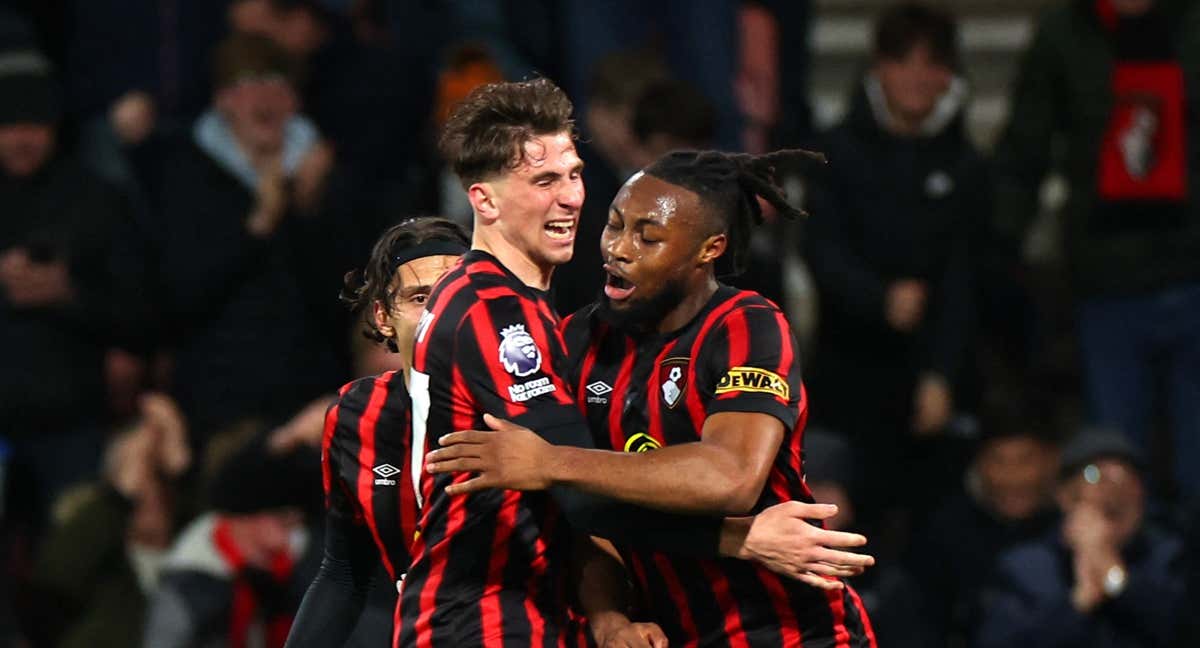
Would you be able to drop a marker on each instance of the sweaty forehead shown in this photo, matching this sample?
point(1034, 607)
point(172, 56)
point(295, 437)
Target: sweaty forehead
point(423, 271)
point(647, 196)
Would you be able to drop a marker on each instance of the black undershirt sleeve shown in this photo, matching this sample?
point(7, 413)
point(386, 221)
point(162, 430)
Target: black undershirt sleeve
point(335, 600)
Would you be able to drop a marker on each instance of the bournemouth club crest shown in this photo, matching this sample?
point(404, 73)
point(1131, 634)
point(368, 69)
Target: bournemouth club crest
point(672, 375)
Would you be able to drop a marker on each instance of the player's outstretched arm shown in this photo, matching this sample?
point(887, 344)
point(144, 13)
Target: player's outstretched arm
point(722, 474)
point(603, 591)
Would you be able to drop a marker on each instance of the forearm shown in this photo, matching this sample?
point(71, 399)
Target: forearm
point(687, 478)
point(602, 587)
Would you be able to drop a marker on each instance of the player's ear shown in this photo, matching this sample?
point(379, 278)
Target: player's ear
point(379, 312)
point(712, 248)
point(483, 198)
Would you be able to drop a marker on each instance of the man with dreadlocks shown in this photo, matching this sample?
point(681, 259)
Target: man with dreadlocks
point(706, 377)
point(369, 498)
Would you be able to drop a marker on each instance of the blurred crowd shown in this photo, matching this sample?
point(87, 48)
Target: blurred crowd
point(184, 183)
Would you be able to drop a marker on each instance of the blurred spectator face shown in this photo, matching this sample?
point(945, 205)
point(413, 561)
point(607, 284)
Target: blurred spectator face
point(611, 135)
point(257, 109)
point(1132, 7)
point(913, 83)
point(1017, 475)
point(539, 201)
point(1114, 489)
point(830, 492)
point(411, 287)
point(25, 148)
point(252, 17)
point(263, 536)
point(298, 31)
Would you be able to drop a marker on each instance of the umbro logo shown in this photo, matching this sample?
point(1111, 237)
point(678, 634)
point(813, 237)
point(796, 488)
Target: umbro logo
point(599, 388)
point(385, 471)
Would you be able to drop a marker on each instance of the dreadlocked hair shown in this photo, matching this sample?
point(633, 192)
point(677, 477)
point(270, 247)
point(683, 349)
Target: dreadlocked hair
point(362, 288)
point(730, 184)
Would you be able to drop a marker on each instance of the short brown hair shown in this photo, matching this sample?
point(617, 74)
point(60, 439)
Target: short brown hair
point(487, 131)
point(245, 55)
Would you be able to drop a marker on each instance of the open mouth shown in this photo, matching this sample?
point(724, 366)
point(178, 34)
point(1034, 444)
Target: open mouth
point(560, 230)
point(618, 288)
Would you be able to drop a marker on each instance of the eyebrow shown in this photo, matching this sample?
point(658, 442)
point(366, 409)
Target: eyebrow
point(409, 291)
point(554, 175)
point(641, 220)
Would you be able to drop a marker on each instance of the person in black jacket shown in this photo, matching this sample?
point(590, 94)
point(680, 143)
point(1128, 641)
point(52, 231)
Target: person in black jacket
point(248, 255)
point(68, 287)
point(887, 245)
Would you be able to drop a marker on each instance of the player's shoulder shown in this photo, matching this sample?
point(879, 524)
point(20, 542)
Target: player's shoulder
point(357, 395)
point(736, 305)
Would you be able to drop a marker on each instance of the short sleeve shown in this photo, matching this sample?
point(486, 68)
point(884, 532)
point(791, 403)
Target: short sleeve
point(750, 364)
point(512, 363)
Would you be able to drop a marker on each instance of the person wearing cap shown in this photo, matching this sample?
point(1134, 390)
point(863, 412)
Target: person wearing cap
point(1105, 578)
point(68, 287)
point(249, 251)
point(234, 575)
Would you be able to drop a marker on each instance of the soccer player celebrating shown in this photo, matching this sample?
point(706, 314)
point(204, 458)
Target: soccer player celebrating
point(369, 496)
point(704, 375)
point(489, 568)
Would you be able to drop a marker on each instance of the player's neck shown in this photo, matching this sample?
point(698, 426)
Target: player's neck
point(693, 302)
point(530, 272)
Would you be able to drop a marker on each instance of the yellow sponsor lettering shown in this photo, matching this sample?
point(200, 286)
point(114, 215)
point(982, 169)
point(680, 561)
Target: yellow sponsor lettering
point(753, 379)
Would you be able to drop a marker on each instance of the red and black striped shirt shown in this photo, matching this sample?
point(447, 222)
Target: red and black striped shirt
point(365, 464)
point(488, 569)
point(640, 393)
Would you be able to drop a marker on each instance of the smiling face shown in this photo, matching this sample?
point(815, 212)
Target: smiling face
point(533, 208)
point(656, 243)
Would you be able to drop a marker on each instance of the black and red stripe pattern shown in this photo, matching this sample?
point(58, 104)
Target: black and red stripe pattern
point(737, 355)
point(364, 462)
point(488, 568)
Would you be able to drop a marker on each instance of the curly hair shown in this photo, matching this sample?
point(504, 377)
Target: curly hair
point(362, 288)
point(486, 132)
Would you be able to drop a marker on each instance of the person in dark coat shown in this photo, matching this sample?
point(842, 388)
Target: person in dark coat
point(249, 256)
point(887, 244)
point(69, 287)
point(1006, 500)
point(1105, 578)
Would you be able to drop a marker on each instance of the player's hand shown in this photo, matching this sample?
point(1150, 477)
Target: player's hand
point(637, 635)
point(510, 456)
point(781, 539)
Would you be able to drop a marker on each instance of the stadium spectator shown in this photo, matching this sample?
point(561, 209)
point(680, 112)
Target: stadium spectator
point(100, 563)
point(68, 287)
point(1007, 500)
point(1106, 80)
point(249, 255)
point(1105, 578)
point(888, 248)
point(371, 101)
point(235, 575)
